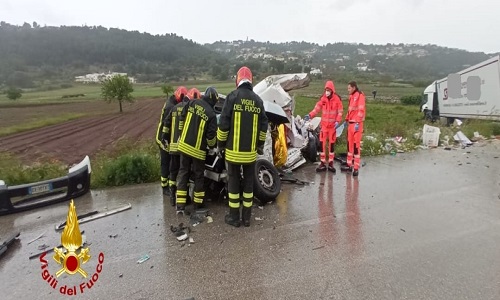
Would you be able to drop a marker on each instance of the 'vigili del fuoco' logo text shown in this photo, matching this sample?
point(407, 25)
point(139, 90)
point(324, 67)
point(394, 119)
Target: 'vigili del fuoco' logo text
point(71, 258)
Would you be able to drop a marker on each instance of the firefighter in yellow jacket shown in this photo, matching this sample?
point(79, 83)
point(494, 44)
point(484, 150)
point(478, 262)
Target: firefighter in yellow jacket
point(242, 133)
point(198, 127)
point(172, 122)
point(162, 136)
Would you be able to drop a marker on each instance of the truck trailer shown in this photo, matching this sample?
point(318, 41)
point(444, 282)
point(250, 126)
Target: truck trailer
point(473, 93)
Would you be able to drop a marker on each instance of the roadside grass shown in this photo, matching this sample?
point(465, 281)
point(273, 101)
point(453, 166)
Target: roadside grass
point(14, 172)
point(39, 123)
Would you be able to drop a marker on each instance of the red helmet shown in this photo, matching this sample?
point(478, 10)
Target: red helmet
point(180, 92)
point(193, 94)
point(244, 74)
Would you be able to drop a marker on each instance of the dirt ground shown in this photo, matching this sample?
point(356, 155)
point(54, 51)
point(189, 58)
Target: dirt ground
point(71, 141)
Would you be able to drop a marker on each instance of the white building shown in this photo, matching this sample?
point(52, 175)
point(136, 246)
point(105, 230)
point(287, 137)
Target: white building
point(98, 77)
point(315, 71)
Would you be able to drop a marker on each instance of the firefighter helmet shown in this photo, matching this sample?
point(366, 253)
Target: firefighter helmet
point(180, 92)
point(211, 95)
point(194, 94)
point(244, 75)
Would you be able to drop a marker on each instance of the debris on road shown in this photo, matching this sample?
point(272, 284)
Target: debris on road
point(181, 236)
point(37, 238)
point(402, 229)
point(462, 139)
point(317, 248)
point(84, 244)
point(43, 247)
point(191, 240)
point(113, 235)
point(209, 219)
point(143, 259)
point(259, 219)
point(95, 215)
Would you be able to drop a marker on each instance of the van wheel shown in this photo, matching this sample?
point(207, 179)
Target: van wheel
point(267, 182)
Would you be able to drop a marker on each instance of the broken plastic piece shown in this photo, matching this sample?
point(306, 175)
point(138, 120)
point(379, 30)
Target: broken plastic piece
point(182, 237)
point(259, 219)
point(191, 240)
point(37, 238)
point(209, 219)
point(143, 259)
point(95, 215)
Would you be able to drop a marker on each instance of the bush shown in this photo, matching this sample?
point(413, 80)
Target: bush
point(126, 162)
point(130, 169)
point(411, 100)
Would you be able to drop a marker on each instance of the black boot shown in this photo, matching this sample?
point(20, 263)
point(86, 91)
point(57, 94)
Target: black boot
point(246, 215)
point(321, 167)
point(331, 168)
point(346, 168)
point(173, 196)
point(166, 191)
point(233, 218)
point(355, 173)
point(198, 206)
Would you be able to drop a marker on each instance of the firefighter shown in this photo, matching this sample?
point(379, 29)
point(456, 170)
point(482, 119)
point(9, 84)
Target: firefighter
point(162, 137)
point(330, 105)
point(198, 131)
point(355, 117)
point(193, 94)
point(241, 134)
point(172, 122)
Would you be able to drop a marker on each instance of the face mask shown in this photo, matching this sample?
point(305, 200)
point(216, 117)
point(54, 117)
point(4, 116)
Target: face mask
point(328, 93)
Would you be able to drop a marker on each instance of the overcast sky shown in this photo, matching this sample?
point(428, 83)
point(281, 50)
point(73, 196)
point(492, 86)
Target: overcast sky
point(466, 24)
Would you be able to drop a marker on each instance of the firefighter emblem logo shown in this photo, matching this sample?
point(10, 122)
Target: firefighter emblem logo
point(70, 257)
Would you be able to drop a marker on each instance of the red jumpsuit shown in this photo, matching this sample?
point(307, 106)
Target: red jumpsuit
point(355, 118)
point(331, 112)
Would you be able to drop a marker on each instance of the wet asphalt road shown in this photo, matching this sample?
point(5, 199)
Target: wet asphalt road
point(423, 225)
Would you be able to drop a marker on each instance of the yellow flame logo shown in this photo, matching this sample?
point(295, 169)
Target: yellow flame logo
point(71, 239)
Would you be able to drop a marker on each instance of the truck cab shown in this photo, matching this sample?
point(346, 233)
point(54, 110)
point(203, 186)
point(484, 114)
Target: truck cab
point(429, 105)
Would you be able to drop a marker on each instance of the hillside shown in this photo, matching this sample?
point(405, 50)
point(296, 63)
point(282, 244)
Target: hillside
point(31, 54)
point(408, 62)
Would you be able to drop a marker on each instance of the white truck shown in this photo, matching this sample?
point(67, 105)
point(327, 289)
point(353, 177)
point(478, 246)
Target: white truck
point(473, 93)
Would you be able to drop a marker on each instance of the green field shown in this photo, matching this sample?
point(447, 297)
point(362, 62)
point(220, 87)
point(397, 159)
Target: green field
point(92, 92)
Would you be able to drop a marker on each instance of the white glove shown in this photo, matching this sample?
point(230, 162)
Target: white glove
point(213, 151)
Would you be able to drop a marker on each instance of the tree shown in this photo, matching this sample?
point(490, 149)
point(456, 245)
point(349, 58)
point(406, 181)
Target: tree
point(13, 93)
point(117, 88)
point(167, 89)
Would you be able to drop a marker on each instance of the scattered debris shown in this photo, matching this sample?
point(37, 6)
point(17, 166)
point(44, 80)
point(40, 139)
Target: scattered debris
point(261, 207)
point(259, 219)
point(181, 236)
point(113, 235)
point(430, 136)
point(8, 241)
point(460, 137)
point(447, 148)
point(37, 238)
point(95, 215)
point(43, 247)
point(209, 219)
point(85, 244)
point(457, 123)
point(143, 259)
point(121, 275)
point(191, 240)
point(318, 247)
point(402, 229)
